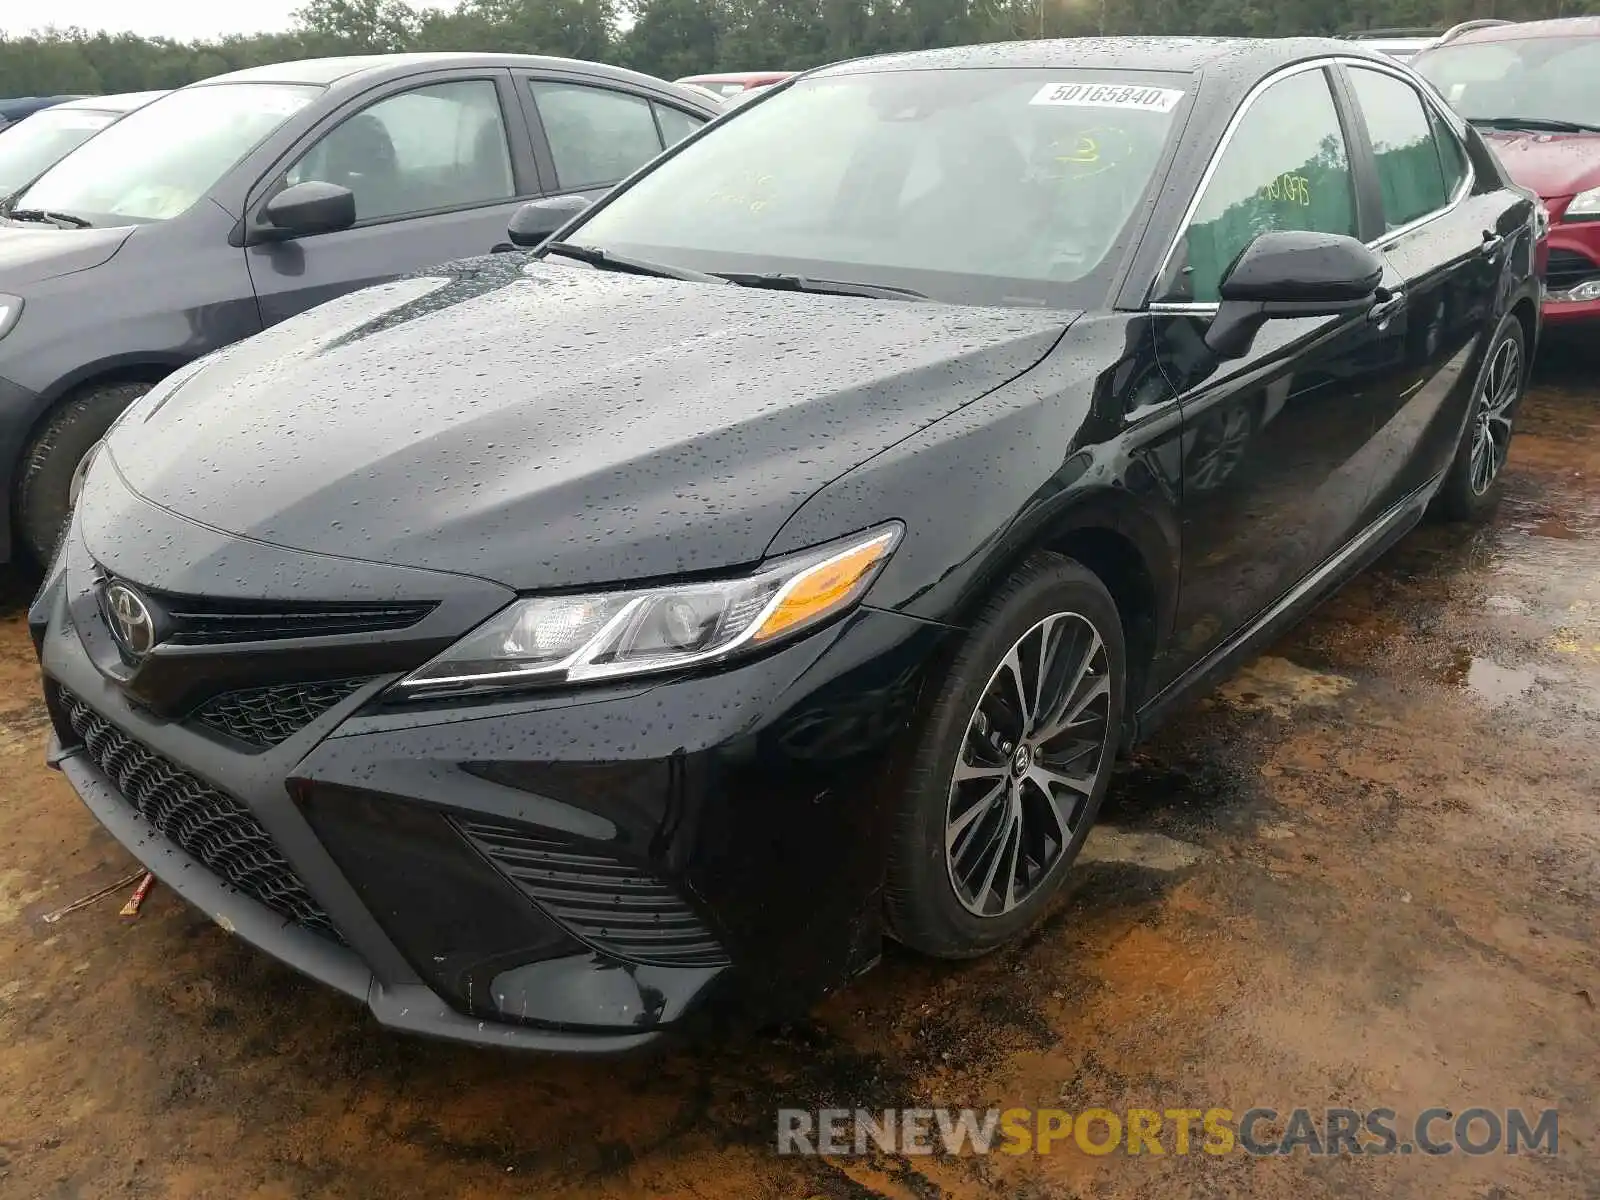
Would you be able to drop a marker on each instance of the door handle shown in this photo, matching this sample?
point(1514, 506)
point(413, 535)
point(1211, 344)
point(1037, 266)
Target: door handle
point(1386, 307)
point(1492, 243)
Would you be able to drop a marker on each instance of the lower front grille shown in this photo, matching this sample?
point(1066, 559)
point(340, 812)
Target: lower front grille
point(205, 823)
point(612, 906)
point(1568, 269)
point(265, 716)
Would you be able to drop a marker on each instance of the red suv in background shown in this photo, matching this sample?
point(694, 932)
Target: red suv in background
point(1533, 90)
point(729, 84)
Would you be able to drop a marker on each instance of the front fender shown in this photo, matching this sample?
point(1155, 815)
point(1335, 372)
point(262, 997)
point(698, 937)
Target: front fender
point(1087, 440)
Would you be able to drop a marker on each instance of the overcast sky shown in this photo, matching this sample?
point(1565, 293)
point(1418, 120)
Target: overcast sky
point(180, 19)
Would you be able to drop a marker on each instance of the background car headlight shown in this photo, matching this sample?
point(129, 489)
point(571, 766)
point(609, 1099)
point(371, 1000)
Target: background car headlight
point(606, 635)
point(10, 311)
point(1585, 206)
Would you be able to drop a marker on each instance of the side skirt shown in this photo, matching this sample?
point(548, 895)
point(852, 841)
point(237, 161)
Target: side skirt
point(1334, 572)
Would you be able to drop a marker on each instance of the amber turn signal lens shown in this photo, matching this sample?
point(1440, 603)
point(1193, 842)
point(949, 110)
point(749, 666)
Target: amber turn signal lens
point(830, 585)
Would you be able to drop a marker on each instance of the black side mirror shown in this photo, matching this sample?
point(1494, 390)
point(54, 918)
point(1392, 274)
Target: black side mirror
point(1291, 274)
point(311, 207)
point(538, 219)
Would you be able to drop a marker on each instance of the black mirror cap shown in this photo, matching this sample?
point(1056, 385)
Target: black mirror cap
point(1299, 267)
point(311, 207)
point(536, 220)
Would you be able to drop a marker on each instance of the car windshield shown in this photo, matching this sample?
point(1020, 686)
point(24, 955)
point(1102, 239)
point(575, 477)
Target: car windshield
point(28, 147)
point(156, 162)
point(1541, 79)
point(988, 186)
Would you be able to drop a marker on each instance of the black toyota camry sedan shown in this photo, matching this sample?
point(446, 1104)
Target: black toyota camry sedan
point(562, 648)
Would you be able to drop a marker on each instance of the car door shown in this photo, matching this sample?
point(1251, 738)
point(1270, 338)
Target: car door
point(589, 137)
point(1276, 463)
point(437, 168)
point(1448, 240)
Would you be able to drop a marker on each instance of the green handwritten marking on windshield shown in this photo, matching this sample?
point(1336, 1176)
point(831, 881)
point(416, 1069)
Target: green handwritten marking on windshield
point(1086, 151)
point(1090, 153)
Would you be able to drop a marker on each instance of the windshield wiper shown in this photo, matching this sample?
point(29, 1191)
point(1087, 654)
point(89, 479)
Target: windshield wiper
point(59, 219)
point(1546, 124)
point(832, 287)
point(607, 261)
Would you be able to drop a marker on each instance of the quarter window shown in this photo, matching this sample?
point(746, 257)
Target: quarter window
point(1410, 172)
point(675, 124)
point(1284, 168)
point(442, 146)
point(596, 136)
point(1451, 153)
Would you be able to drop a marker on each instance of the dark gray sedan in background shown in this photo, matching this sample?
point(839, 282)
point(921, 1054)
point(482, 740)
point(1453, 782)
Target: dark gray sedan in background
point(231, 204)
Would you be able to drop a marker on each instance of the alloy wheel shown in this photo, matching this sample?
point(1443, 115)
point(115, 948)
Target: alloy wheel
point(1028, 764)
point(1491, 431)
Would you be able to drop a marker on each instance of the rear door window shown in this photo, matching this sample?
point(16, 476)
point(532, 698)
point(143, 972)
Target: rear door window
point(1411, 172)
point(597, 136)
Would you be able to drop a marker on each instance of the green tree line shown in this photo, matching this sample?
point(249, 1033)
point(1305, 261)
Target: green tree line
point(672, 38)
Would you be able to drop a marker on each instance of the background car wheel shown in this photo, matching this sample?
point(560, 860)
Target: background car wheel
point(44, 481)
point(1472, 485)
point(1011, 764)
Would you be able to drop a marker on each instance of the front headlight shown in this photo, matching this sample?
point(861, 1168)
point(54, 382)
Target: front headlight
point(606, 635)
point(10, 312)
point(81, 472)
point(1585, 206)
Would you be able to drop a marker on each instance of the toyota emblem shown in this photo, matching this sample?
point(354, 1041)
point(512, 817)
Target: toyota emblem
point(130, 619)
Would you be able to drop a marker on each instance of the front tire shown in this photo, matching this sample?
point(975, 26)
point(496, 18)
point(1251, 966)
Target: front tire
point(1471, 486)
point(44, 481)
point(1011, 763)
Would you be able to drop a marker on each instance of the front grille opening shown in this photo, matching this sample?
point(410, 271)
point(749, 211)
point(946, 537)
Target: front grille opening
point(613, 906)
point(205, 823)
point(207, 620)
point(1568, 269)
point(265, 716)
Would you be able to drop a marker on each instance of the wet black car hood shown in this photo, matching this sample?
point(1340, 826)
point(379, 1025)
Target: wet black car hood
point(545, 425)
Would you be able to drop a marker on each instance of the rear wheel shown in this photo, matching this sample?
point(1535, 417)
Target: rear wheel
point(45, 489)
point(1472, 485)
point(1011, 764)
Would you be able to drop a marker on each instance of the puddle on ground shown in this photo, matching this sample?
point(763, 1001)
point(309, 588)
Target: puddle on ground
point(1489, 681)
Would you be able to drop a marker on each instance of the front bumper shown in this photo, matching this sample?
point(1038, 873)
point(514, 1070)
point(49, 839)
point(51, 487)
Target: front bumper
point(1574, 262)
point(580, 872)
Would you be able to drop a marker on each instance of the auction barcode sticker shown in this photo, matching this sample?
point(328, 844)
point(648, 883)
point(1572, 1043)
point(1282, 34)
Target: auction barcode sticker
point(1109, 95)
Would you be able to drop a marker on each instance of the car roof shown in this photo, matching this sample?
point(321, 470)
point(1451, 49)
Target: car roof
point(1556, 27)
point(368, 67)
point(1245, 57)
point(123, 102)
point(734, 76)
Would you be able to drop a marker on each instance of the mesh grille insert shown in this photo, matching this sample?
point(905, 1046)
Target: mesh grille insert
point(613, 906)
point(266, 716)
point(209, 825)
point(1568, 269)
